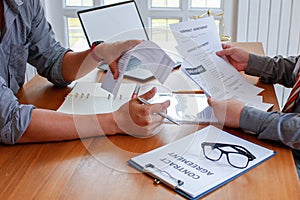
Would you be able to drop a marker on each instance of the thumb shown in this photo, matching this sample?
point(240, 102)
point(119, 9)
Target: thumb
point(157, 107)
point(209, 101)
point(114, 69)
point(212, 102)
point(225, 52)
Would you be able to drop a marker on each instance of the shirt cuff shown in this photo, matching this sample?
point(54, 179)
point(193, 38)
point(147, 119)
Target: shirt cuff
point(256, 64)
point(57, 76)
point(14, 129)
point(251, 119)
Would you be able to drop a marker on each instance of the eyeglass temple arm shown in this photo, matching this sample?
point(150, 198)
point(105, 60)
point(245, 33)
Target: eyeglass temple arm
point(236, 147)
point(239, 148)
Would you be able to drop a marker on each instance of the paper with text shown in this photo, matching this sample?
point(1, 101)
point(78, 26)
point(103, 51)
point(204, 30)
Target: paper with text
point(201, 31)
point(152, 58)
point(198, 42)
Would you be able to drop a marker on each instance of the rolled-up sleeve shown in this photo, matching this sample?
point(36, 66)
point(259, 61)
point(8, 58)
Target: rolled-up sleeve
point(14, 117)
point(277, 126)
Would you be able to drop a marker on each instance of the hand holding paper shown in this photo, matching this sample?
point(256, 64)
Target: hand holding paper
point(198, 43)
point(152, 58)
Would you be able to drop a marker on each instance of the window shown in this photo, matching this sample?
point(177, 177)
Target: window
point(165, 3)
point(161, 13)
point(79, 2)
point(156, 14)
point(206, 3)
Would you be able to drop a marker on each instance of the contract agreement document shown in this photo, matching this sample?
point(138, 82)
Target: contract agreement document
point(198, 41)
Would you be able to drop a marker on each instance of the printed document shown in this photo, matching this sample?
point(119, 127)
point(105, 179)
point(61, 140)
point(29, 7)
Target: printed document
point(198, 42)
point(152, 58)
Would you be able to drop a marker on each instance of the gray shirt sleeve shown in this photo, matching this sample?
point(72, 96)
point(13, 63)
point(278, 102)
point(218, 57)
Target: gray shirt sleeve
point(273, 70)
point(277, 126)
point(30, 38)
point(45, 53)
point(14, 117)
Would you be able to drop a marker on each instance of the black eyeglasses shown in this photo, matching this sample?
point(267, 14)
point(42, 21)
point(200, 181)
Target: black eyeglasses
point(238, 156)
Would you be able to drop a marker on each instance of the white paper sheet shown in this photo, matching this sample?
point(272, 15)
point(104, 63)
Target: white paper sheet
point(152, 58)
point(198, 42)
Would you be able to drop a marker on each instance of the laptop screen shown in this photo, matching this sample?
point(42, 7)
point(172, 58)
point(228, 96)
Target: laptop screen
point(115, 22)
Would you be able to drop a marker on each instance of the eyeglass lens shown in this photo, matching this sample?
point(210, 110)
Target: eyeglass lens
point(234, 158)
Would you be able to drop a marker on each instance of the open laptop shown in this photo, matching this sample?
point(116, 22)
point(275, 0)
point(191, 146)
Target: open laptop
point(115, 22)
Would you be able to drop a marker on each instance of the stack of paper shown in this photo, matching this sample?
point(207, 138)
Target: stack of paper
point(198, 41)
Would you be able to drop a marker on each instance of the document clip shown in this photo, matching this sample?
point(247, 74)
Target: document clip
point(157, 180)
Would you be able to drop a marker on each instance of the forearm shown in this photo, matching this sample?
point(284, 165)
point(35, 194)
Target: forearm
point(277, 126)
point(47, 125)
point(273, 70)
point(77, 64)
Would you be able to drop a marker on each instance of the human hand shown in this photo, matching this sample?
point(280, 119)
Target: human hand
point(138, 119)
point(111, 53)
point(236, 56)
point(228, 112)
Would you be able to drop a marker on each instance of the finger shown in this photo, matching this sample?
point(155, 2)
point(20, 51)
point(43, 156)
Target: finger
point(166, 104)
point(159, 107)
point(129, 44)
point(225, 52)
point(148, 95)
point(212, 102)
point(226, 46)
point(133, 43)
point(114, 69)
point(209, 101)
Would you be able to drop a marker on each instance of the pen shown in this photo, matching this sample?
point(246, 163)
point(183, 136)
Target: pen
point(136, 91)
point(162, 114)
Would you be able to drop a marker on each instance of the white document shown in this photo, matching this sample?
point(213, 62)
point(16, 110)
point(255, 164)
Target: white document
point(184, 161)
point(198, 42)
point(216, 76)
point(201, 31)
point(152, 58)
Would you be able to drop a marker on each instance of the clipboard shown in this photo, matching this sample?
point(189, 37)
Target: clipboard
point(182, 166)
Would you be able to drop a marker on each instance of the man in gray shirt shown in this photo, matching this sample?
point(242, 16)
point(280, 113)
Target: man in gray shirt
point(26, 36)
point(277, 126)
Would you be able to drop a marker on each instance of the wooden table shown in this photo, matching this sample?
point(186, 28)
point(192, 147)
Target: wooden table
point(97, 168)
